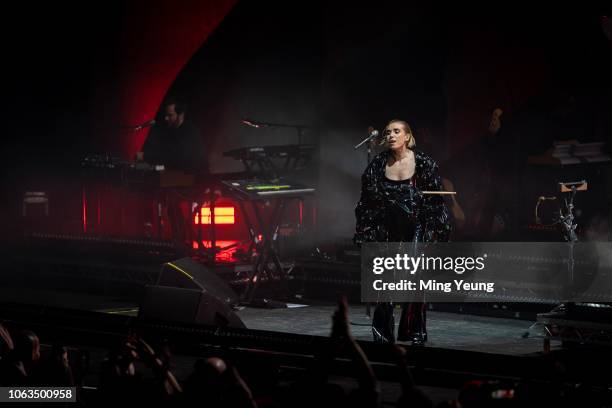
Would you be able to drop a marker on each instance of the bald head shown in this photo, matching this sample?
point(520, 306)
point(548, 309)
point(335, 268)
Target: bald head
point(215, 365)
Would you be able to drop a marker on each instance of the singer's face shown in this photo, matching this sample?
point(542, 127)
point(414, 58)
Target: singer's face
point(171, 118)
point(396, 135)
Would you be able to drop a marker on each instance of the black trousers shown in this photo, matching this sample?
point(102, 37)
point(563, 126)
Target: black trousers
point(413, 318)
point(412, 324)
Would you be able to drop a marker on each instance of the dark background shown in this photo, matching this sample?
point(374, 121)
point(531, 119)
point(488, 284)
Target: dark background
point(70, 71)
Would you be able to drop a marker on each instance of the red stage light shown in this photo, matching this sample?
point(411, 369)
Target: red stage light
point(224, 245)
point(227, 249)
point(223, 215)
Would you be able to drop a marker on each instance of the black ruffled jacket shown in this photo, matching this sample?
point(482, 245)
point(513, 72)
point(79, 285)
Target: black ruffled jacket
point(370, 212)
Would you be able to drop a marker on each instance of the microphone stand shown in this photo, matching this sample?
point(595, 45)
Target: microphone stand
point(567, 221)
point(367, 140)
point(299, 128)
point(141, 126)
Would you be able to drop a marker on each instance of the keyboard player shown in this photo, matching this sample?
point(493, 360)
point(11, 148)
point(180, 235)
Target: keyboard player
point(176, 143)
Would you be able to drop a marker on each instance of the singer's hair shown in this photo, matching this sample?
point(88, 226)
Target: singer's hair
point(179, 104)
point(410, 142)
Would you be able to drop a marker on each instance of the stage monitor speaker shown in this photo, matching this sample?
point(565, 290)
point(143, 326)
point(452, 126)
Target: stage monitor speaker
point(180, 305)
point(187, 273)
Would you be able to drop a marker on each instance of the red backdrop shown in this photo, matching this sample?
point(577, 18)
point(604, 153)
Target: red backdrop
point(156, 40)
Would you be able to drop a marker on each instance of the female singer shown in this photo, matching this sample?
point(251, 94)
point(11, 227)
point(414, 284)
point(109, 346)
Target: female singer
point(393, 209)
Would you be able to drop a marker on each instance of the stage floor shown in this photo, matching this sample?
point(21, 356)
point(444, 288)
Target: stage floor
point(445, 330)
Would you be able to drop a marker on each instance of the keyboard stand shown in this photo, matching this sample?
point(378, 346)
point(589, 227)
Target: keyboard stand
point(267, 264)
point(274, 193)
